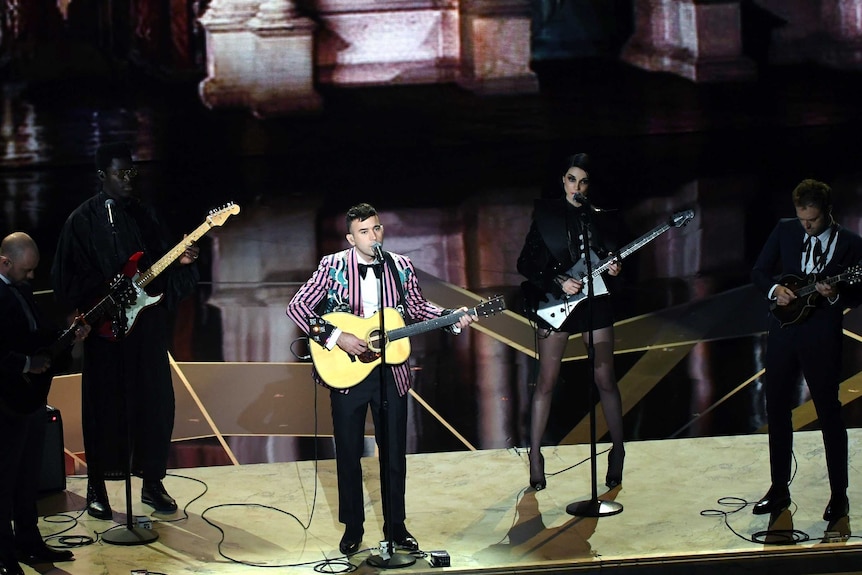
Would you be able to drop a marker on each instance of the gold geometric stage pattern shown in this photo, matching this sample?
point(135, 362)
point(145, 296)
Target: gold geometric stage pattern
point(216, 401)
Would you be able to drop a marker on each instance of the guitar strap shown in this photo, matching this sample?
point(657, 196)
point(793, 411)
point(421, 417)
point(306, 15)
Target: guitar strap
point(402, 309)
point(819, 258)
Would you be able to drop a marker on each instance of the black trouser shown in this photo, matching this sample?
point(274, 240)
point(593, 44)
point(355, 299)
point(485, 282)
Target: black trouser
point(814, 348)
point(20, 470)
point(348, 420)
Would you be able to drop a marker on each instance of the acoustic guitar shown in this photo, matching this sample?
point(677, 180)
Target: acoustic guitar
point(342, 370)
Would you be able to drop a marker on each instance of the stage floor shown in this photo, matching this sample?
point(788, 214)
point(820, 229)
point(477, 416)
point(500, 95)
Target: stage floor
point(476, 506)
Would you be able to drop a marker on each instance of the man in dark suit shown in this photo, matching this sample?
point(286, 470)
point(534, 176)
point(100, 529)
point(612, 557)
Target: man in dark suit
point(809, 341)
point(341, 284)
point(23, 333)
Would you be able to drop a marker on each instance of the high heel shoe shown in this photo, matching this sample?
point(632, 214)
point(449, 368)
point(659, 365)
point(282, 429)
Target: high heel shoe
point(537, 480)
point(616, 458)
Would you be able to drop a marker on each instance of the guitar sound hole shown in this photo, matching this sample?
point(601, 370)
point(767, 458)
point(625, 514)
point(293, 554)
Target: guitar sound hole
point(373, 341)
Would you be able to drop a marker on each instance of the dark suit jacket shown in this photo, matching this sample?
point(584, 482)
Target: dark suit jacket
point(16, 339)
point(782, 253)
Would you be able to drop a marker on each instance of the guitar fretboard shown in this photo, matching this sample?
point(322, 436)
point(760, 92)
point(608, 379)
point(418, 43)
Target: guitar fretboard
point(428, 325)
point(630, 248)
point(175, 252)
point(812, 287)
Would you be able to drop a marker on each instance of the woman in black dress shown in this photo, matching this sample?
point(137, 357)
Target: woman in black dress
point(552, 247)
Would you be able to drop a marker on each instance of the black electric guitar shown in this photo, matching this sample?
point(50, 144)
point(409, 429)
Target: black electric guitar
point(555, 310)
point(140, 280)
point(30, 391)
point(341, 370)
point(805, 290)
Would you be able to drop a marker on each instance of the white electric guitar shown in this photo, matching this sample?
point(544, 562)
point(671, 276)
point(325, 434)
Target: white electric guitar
point(555, 310)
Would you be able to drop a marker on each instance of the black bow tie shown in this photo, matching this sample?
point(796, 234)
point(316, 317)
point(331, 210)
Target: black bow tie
point(363, 269)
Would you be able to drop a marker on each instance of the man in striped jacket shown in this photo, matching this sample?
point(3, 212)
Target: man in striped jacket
point(347, 281)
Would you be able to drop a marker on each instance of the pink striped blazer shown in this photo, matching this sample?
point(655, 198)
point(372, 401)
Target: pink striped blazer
point(334, 286)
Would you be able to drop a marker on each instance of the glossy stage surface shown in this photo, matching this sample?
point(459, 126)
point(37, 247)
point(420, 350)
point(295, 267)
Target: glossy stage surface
point(683, 511)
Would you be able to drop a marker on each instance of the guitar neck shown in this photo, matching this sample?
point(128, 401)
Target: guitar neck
point(88, 318)
point(427, 325)
point(630, 249)
point(812, 287)
point(175, 252)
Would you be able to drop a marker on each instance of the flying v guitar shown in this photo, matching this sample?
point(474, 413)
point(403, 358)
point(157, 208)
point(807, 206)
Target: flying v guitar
point(555, 310)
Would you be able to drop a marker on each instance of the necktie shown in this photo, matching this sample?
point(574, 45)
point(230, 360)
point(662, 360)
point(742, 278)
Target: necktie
point(363, 269)
point(818, 251)
point(26, 305)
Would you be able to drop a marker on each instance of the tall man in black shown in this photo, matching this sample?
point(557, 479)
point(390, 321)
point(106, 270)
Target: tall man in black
point(126, 376)
point(24, 370)
point(811, 243)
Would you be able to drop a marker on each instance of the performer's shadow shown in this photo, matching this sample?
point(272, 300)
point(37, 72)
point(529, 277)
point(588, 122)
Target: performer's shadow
point(529, 537)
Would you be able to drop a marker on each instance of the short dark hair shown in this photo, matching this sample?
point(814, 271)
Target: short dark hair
point(106, 153)
point(813, 193)
point(359, 212)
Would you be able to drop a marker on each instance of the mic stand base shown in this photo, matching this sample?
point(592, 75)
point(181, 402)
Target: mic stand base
point(130, 536)
point(394, 561)
point(594, 508)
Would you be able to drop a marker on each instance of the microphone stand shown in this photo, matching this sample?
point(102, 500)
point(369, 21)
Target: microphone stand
point(593, 507)
point(390, 559)
point(131, 535)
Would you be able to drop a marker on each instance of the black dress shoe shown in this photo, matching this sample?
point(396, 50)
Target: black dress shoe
point(41, 553)
point(838, 507)
point(776, 500)
point(9, 566)
point(97, 500)
point(351, 540)
point(153, 493)
point(402, 538)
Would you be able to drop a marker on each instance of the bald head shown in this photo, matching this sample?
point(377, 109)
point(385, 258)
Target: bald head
point(15, 244)
point(19, 257)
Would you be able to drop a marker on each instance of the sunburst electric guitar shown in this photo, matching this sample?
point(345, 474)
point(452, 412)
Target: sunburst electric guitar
point(141, 299)
point(555, 310)
point(342, 370)
point(29, 391)
point(807, 295)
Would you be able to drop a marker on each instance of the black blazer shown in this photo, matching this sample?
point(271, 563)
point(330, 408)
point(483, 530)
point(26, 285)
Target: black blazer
point(16, 339)
point(782, 253)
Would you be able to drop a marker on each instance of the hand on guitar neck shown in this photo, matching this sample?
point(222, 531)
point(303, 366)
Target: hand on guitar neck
point(785, 295)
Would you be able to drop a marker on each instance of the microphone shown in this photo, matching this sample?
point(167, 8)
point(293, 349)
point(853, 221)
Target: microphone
point(582, 199)
point(377, 248)
point(109, 204)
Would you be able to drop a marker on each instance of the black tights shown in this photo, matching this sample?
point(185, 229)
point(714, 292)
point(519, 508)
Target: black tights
point(551, 349)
